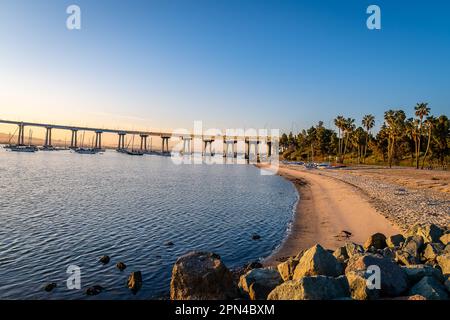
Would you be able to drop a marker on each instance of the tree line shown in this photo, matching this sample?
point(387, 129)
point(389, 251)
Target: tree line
point(422, 141)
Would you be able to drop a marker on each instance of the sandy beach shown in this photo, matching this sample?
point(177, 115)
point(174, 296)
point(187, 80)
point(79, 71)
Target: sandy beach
point(330, 212)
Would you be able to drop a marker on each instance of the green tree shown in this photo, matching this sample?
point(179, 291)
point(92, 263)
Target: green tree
point(368, 123)
point(421, 110)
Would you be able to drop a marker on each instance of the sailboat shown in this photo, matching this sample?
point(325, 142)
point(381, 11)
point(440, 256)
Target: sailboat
point(134, 152)
point(83, 150)
point(28, 148)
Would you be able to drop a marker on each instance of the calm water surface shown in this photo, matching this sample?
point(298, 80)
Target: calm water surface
point(61, 208)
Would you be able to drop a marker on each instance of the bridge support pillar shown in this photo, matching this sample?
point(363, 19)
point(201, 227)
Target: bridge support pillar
point(187, 142)
point(206, 143)
point(74, 139)
point(144, 142)
point(20, 139)
point(165, 144)
point(121, 144)
point(48, 137)
point(98, 139)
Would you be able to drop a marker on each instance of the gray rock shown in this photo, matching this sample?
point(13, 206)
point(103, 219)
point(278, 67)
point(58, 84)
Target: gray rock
point(134, 282)
point(312, 288)
point(201, 276)
point(341, 254)
point(444, 263)
point(353, 249)
point(359, 290)
point(104, 259)
point(432, 250)
point(388, 253)
point(429, 288)
point(258, 283)
point(428, 231)
point(286, 269)
point(395, 241)
point(404, 258)
point(415, 273)
point(393, 279)
point(377, 241)
point(413, 245)
point(445, 239)
point(317, 261)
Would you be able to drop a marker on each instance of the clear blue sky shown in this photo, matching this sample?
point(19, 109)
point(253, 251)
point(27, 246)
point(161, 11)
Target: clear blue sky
point(277, 64)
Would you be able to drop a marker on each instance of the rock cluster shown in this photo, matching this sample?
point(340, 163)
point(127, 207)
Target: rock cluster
point(412, 266)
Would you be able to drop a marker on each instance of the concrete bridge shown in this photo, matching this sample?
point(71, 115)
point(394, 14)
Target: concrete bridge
point(229, 142)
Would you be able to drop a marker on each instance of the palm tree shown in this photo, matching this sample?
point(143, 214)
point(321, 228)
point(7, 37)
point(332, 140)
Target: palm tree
point(395, 123)
point(368, 123)
point(421, 110)
point(339, 122)
point(349, 127)
point(429, 125)
point(412, 131)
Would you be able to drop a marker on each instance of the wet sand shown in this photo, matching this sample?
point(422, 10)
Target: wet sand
point(327, 207)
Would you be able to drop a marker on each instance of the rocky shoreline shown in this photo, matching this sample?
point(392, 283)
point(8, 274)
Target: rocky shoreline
point(414, 265)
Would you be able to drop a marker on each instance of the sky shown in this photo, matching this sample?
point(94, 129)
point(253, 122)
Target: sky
point(162, 64)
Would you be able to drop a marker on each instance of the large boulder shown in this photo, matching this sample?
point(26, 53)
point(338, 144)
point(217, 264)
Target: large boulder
point(357, 281)
point(411, 250)
point(444, 263)
point(258, 283)
point(429, 288)
point(432, 250)
point(353, 249)
point(445, 239)
point(311, 288)
point(377, 241)
point(286, 268)
point(415, 273)
point(201, 276)
point(341, 254)
point(393, 279)
point(395, 241)
point(317, 261)
point(429, 232)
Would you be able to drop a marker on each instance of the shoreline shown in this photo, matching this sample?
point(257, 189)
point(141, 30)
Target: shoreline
point(327, 207)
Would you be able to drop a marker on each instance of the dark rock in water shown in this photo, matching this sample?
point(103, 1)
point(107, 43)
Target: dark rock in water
point(50, 286)
point(256, 237)
point(121, 266)
point(93, 291)
point(202, 276)
point(134, 282)
point(377, 240)
point(252, 265)
point(169, 243)
point(312, 288)
point(104, 259)
point(429, 288)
